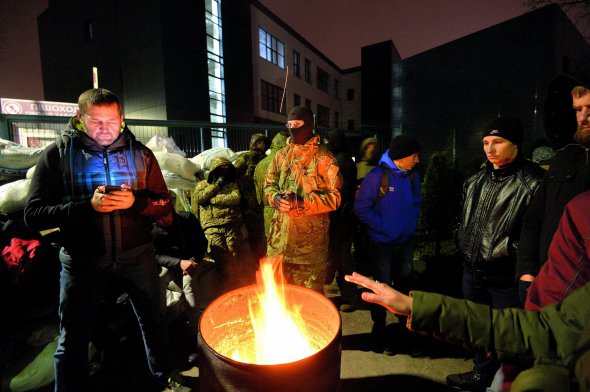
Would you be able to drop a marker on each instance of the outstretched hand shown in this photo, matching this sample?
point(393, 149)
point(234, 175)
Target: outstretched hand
point(382, 294)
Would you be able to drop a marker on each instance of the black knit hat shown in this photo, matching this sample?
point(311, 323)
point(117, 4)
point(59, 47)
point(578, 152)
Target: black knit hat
point(509, 128)
point(301, 113)
point(403, 146)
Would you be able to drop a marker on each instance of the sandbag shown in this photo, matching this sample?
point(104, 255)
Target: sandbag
point(203, 160)
point(164, 143)
point(13, 196)
point(177, 164)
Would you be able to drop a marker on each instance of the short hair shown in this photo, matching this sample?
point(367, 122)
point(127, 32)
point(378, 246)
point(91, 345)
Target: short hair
point(580, 91)
point(98, 97)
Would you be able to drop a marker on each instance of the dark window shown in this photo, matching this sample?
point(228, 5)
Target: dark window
point(350, 124)
point(296, 64)
point(271, 49)
point(336, 120)
point(308, 71)
point(308, 103)
point(323, 80)
point(336, 89)
point(350, 94)
point(323, 116)
point(296, 100)
point(271, 96)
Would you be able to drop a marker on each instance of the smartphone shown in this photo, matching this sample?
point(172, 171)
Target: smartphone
point(111, 188)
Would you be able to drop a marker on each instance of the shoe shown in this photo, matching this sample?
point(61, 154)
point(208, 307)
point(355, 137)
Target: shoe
point(388, 351)
point(469, 381)
point(178, 383)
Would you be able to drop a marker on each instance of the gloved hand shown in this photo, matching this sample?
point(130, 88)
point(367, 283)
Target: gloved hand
point(523, 289)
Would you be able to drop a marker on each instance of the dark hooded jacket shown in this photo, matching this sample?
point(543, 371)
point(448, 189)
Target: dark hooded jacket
point(65, 178)
point(337, 146)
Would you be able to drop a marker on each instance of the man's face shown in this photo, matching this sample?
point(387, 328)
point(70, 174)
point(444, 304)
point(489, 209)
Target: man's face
point(582, 108)
point(259, 145)
point(102, 123)
point(499, 151)
point(299, 131)
point(408, 162)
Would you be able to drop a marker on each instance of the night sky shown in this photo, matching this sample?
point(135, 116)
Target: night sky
point(338, 28)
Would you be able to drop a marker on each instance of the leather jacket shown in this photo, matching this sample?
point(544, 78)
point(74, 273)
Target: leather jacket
point(494, 203)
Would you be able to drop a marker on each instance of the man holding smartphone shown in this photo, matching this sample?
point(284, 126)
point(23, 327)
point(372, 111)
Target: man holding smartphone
point(105, 231)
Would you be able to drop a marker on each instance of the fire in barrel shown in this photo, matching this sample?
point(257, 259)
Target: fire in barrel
point(270, 336)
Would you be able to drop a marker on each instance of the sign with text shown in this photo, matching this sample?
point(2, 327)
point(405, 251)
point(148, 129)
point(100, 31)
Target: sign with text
point(37, 108)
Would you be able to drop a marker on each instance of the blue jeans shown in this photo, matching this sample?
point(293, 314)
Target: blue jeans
point(392, 264)
point(83, 284)
point(477, 290)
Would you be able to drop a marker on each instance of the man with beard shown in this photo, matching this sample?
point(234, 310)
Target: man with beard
point(303, 184)
point(568, 175)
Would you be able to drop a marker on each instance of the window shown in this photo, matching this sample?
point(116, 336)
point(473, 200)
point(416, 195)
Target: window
point(323, 80)
point(271, 49)
point(350, 124)
point(336, 89)
point(308, 71)
point(323, 116)
point(296, 100)
point(336, 120)
point(296, 64)
point(350, 94)
point(308, 103)
point(271, 96)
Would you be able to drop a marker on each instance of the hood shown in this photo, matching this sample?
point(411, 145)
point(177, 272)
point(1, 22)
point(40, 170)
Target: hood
point(367, 141)
point(336, 141)
point(387, 161)
point(279, 141)
point(256, 138)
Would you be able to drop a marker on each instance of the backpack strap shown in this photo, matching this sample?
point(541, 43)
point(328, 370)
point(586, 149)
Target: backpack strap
point(384, 187)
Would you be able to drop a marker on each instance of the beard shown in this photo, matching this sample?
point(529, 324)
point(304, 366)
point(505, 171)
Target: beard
point(582, 136)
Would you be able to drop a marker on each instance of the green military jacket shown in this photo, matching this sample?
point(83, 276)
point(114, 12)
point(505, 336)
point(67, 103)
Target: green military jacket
point(552, 340)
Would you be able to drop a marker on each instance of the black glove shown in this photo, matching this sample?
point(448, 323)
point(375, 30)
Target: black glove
point(523, 289)
point(278, 199)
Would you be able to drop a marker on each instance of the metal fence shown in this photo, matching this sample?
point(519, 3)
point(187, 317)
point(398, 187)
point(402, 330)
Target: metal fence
point(192, 137)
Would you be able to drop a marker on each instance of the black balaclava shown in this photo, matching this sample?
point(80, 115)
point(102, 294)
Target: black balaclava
point(303, 133)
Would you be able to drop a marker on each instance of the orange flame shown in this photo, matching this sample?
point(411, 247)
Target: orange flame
point(279, 331)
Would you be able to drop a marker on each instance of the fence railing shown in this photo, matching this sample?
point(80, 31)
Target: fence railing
point(192, 137)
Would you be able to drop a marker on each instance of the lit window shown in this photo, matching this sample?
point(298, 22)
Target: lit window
point(271, 49)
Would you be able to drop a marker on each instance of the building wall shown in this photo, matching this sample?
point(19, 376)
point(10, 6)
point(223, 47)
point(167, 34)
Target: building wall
point(271, 73)
point(445, 96)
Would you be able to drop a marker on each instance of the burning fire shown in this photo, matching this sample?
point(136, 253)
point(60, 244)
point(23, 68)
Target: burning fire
point(279, 330)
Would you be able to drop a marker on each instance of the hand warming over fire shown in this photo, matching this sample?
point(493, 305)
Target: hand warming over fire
point(382, 294)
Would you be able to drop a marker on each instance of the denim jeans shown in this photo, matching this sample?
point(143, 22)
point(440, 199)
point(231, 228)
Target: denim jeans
point(392, 264)
point(477, 290)
point(83, 284)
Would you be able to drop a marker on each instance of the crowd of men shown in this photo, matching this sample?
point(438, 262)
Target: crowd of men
point(309, 206)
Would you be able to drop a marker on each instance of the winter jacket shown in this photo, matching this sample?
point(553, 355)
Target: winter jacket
point(556, 337)
point(217, 204)
point(393, 218)
point(568, 260)
point(568, 176)
point(246, 163)
point(277, 143)
point(183, 240)
point(62, 186)
point(310, 172)
point(337, 146)
point(494, 203)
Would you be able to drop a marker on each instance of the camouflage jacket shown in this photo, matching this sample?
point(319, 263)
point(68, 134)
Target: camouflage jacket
point(309, 171)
